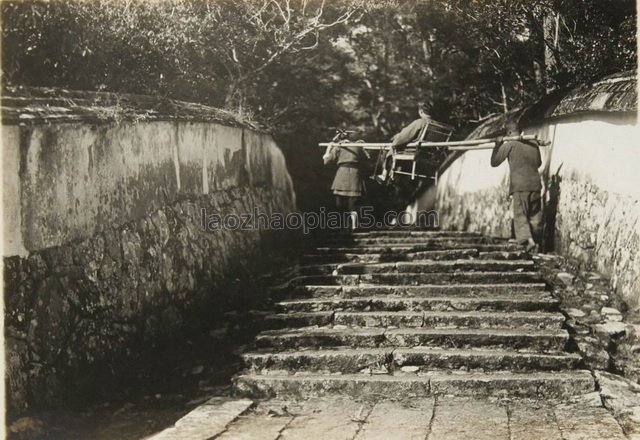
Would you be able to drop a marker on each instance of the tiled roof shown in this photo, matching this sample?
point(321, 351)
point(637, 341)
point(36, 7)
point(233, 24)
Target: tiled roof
point(615, 93)
point(41, 105)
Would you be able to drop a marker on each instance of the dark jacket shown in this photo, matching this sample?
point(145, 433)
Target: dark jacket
point(524, 161)
point(349, 179)
point(347, 155)
point(410, 133)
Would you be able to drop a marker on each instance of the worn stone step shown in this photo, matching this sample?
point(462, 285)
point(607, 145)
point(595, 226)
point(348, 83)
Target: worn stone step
point(320, 337)
point(348, 360)
point(340, 359)
point(385, 387)
point(450, 254)
point(506, 384)
point(401, 239)
point(371, 387)
point(503, 255)
point(471, 319)
point(531, 302)
point(379, 319)
point(418, 267)
point(298, 319)
point(417, 247)
point(347, 257)
point(539, 340)
point(455, 359)
point(399, 232)
point(426, 290)
point(418, 278)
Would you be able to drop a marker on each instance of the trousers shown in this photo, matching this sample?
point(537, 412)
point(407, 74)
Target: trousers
point(527, 215)
point(346, 203)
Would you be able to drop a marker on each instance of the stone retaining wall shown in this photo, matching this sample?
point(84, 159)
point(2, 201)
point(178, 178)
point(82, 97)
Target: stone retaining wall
point(105, 250)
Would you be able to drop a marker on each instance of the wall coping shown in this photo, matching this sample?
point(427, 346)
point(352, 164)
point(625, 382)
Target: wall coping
point(612, 94)
point(50, 105)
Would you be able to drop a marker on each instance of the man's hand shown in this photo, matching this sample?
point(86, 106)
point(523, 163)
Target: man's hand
point(499, 140)
point(327, 153)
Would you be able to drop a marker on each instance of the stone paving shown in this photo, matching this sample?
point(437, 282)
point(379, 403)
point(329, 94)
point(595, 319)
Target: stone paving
point(429, 418)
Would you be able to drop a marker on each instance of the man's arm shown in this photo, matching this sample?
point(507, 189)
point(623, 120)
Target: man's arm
point(331, 154)
point(364, 154)
point(408, 134)
point(500, 152)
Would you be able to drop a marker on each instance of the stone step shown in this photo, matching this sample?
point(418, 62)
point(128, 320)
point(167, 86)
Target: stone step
point(503, 255)
point(299, 319)
point(489, 360)
point(418, 267)
point(418, 278)
point(400, 239)
point(530, 302)
point(384, 387)
point(398, 232)
point(417, 247)
point(517, 339)
point(341, 359)
point(347, 257)
point(347, 360)
point(379, 319)
point(451, 254)
point(427, 290)
point(417, 319)
point(320, 337)
point(472, 319)
point(539, 340)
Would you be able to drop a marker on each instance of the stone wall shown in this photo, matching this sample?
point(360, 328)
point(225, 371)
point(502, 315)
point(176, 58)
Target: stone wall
point(594, 191)
point(591, 191)
point(105, 250)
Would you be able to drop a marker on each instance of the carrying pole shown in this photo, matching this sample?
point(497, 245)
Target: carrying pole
point(473, 144)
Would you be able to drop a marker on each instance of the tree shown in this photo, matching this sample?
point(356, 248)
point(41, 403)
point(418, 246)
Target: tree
point(305, 67)
point(207, 51)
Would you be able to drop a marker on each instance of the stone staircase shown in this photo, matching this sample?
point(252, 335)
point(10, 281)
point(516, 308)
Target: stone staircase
point(398, 313)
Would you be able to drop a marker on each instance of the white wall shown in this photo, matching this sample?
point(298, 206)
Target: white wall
point(595, 157)
point(66, 182)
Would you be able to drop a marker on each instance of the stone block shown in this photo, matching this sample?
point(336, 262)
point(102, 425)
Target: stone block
point(619, 394)
point(611, 328)
point(593, 351)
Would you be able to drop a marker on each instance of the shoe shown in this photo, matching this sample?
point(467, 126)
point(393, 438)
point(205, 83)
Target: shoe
point(381, 178)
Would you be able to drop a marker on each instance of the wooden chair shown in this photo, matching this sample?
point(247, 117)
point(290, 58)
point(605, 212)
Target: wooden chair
point(434, 131)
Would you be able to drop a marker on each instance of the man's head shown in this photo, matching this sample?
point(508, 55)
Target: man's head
point(512, 128)
point(423, 110)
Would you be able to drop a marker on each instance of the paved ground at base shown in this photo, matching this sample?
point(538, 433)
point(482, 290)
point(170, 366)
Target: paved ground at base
point(439, 418)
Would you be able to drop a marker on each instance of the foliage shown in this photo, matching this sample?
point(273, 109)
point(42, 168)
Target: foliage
point(205, 51)
point(469, 58)
point(305, 67)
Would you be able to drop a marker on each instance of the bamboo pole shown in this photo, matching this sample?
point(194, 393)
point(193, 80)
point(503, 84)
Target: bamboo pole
point(485, 146)
point(365, 145)
point(452, 145)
